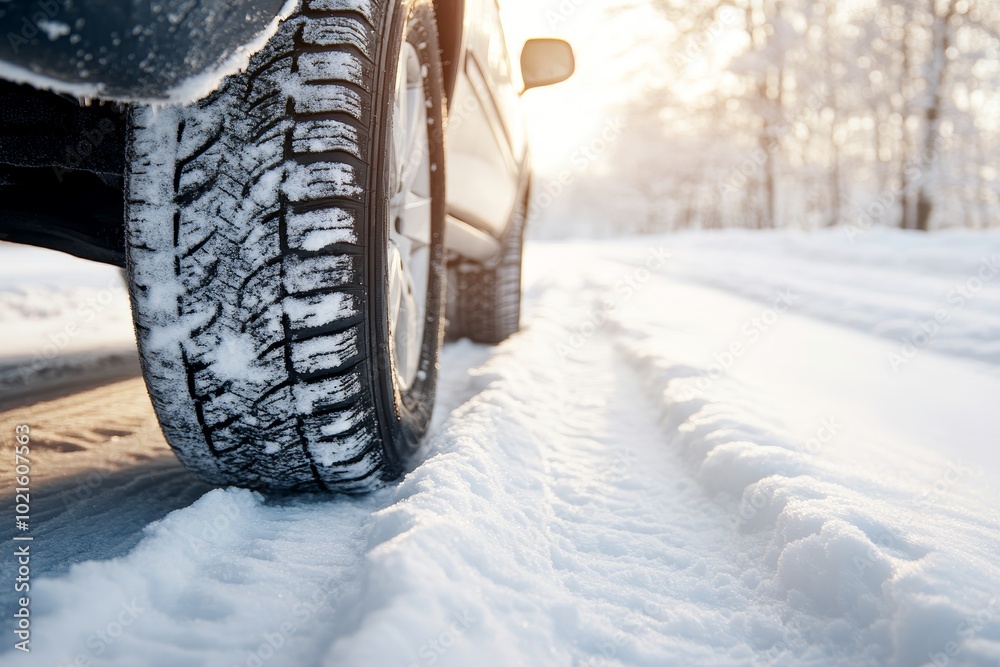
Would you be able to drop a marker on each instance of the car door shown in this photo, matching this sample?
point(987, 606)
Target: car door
point(486, 145)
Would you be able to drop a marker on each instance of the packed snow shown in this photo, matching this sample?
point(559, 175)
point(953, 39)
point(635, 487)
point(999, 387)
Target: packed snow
point(703, 449)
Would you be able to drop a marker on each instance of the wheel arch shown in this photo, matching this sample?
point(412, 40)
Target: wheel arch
point(451, 32)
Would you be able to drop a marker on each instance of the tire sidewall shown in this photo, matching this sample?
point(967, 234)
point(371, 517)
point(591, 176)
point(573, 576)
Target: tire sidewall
point(404, 417)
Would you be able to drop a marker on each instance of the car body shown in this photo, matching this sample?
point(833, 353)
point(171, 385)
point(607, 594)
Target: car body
point(62, 162)
point(304, 194)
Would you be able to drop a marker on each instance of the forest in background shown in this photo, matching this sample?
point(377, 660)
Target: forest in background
point(807, 114)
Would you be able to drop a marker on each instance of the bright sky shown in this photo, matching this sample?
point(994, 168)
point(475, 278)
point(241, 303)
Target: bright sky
point(563, 118)
point(620, 55)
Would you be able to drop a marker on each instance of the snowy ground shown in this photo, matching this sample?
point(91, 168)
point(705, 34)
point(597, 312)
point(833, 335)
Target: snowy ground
point(727, 449)
point(63, 320)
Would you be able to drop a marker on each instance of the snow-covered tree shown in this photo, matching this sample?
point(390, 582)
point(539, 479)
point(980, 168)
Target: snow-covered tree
point(810, 113)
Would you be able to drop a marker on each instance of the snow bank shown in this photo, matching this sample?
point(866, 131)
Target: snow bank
point(881, 542)
point(59, 315)
point(872, 562)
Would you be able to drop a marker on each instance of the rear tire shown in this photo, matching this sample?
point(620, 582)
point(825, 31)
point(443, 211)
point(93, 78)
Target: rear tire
point(265, 238)
point(487, 296)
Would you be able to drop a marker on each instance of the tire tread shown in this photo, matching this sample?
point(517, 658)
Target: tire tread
point(213, 421)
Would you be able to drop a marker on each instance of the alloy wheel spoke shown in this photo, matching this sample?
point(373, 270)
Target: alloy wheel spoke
point(410, 218)
point(415, 222)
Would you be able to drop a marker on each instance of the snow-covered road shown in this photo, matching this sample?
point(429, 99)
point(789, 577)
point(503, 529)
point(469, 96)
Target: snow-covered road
point(727, 449)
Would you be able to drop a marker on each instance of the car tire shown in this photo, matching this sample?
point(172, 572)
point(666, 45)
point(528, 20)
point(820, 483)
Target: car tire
point(285, 251)
point(486, 296)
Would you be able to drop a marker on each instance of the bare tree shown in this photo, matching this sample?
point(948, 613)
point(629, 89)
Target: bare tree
point(825, 112)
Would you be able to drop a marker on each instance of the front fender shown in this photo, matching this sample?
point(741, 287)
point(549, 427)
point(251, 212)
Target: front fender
point(132, 50)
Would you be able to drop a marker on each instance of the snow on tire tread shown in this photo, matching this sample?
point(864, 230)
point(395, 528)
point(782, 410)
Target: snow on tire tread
point(246, 257)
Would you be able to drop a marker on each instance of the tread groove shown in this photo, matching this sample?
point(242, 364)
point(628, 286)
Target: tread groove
point(218, 197)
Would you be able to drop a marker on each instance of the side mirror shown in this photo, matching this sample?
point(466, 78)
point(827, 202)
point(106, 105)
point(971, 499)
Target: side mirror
point(545, 62)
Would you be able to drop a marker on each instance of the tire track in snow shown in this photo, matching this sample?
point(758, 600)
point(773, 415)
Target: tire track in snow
point(551, 512)
point(98, 475)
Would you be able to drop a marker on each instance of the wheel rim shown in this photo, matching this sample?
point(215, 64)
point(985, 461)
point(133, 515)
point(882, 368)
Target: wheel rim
point(409, 243)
